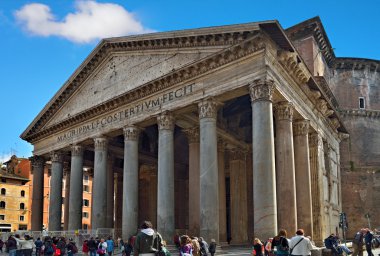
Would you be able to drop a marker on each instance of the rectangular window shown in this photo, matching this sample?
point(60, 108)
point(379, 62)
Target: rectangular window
point(22, 217)
point(361, 103)
point(86, 202)
point(22, 227)
point(86, 188)
point(85, 214)
point(85, 226)
point(2, 217)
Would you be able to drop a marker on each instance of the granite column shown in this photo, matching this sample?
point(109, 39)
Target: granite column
point(55, 204)
point(110, 192)
point(76, 188)
point(38, 193)
point(264, 176)
point(130, 182)
point(222, 192)
point(209, 182)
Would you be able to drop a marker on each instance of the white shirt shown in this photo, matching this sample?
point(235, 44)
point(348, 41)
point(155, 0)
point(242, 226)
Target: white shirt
point(302, 248)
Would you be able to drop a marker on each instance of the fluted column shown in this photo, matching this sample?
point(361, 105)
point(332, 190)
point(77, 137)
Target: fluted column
point(55, 205)
point(110, 191)
point(316, 158)
point(222, 192)
point(209, 182)
point(76, 188)
point(165, 179)
point(66, 203)
point(130, 181)
point(99, 192)
point(285, 171)
point(303, 182)
point(194, 180)
point(238, 192)
point(264, 179)
point(38, 193)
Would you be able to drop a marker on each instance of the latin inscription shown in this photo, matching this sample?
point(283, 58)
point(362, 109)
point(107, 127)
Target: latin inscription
point(128, 112)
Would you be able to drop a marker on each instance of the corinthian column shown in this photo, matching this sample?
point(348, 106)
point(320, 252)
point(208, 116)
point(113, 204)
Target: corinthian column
point(76, 188)
point(316, 163)
point(55, 205)
point(209, 182)
point(194, 180)
point(303, 183)
point(38, 192)
point(264, 179)
point(165, 179)
point(130, 182)
point(222, 192)
point(99, 193)
point(285, 172)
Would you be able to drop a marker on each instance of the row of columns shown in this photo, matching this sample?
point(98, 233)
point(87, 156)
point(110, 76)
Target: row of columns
point(206, 175)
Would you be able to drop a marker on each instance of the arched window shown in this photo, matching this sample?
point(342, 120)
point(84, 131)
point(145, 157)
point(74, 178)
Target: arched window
point(22, 193)
point(3, 191)
point(2, 205)
point(22, 206)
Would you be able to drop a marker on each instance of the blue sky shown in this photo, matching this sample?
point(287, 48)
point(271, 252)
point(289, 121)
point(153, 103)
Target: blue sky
point(43, 42)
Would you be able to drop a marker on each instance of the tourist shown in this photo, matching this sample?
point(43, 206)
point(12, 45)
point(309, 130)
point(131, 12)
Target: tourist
point(147, 241)
point(196, 246)
point(27, 245)
point(204, 246)
point(110, 246)
point(368, 241)
point(102, 247)
point(92, 246)
point(300, 245)
point(280, 244)
point(71, 248)
point(186, 246)
point(61, 246)
point(49, 246)
point(258, 247)
point(38, 243)
point(85, 248)
point(357, 243)
point(11, 245)
point(1, 245)
point(212, 247)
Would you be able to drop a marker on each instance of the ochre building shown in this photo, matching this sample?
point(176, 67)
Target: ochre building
point(223, 132)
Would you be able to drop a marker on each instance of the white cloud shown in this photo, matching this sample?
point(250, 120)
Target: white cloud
point(89, 22)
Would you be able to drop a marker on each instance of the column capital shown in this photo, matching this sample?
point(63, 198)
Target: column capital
point(284, 111)
point(77, 150)
point(56, 156)
point(301, 127)
point(101, 144)
point(261, 89)
point(166, 121)
point(37, 161)
point(208, 108)
point(131, 133)
point(315, 140)
point(237, 154)
point(192, 134)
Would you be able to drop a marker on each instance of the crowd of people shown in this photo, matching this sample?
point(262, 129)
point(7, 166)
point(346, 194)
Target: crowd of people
point(149, 242)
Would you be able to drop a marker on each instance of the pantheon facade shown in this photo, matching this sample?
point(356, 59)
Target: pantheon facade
point(220, 132)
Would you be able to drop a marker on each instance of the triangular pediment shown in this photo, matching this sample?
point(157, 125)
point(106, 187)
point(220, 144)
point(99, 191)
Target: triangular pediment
point(123, 72)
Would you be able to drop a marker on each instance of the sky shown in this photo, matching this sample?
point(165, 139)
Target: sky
point(43, 42)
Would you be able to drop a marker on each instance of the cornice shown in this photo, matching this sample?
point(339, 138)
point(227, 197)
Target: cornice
point(360, 113)
point(357, 64)
point(242, 49)
point(293, 64)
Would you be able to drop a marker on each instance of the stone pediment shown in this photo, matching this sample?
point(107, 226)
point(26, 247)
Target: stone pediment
point(123, 72)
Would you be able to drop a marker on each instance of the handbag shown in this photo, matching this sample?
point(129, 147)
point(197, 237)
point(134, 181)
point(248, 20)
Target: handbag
point(291, 249)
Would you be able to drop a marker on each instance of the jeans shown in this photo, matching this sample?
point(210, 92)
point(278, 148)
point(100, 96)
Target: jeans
point(12, 252)
point(92, 252)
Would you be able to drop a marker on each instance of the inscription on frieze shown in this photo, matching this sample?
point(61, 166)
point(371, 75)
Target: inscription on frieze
point(128, 112)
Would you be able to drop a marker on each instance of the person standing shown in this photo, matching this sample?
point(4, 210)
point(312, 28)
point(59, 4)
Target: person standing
point(357, 243)
point(102, 247)
point(147, 241)
point(258, 247)
point(368, 242)
point(11, 245)
point(212, 247)
point(280, 244)
point(92, 246)
point(38, 243)
point(300, 245)
point(85, 249)
point(110, 246)
point(27, 245)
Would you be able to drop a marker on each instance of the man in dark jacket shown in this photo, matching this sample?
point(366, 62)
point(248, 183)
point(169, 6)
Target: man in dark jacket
point(368, 242)
point(92, 246)
point(147, 240)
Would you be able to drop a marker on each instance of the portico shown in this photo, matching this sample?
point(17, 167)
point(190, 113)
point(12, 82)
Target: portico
point(183, 120)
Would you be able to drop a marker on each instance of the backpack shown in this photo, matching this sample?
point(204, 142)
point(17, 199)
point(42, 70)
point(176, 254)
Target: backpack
point(48, 248)
point(74, 249)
